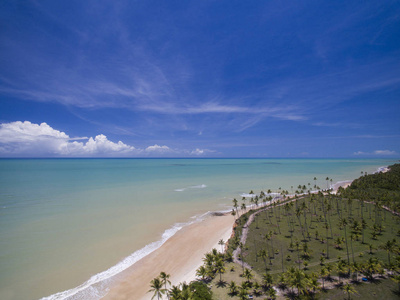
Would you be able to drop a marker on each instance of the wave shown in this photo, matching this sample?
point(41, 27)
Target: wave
point(381, 169)
point(201, 186)
point(96, 287)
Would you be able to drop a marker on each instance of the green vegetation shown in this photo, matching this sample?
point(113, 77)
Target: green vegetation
point(317, 245)
point(196, 290)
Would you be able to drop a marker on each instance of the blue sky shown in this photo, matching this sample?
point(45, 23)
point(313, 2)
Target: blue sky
point(200, 78)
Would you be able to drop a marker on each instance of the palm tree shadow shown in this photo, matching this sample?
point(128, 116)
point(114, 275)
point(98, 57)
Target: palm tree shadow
point(221, 283)
point(396, 292)
point(376, 281)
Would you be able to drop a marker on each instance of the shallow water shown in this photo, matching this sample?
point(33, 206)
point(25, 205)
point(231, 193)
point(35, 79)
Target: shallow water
point(64, 220)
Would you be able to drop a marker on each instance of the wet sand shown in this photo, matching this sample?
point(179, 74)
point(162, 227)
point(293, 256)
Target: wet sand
point(180, 256)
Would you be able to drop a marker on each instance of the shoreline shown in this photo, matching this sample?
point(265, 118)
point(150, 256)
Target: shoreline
point(184, 265)
point(180, 256)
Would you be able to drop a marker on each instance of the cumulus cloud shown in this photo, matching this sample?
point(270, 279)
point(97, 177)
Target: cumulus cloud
point(157, 148)
point(29, 139)
point(377, 153)
point(199, 152)
point(26, 139)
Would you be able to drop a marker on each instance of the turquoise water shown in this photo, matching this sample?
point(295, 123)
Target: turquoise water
point(62, 221)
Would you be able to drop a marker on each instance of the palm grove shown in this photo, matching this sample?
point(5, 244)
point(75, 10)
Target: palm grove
point(297, 246)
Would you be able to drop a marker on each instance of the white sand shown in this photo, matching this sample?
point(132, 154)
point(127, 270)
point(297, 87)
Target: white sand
point(180, 256)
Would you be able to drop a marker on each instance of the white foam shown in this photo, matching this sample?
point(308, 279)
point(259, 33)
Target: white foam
point(381, 169)
point(200, 186)
point(247, 195)
point(87, 289)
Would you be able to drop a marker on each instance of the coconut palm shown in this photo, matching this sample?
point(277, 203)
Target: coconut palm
point(175, 293)
point(220, 268)
point(271, 294)
point(248, 275)
point(235, 205)
point(165, 280)
point(243, 293)
point(202, 272)
point(348, 289)
point(233, 288)
point(243, 207)
point(267, 280)
point(222, 243)
point(323, 273)
point(389, 246)
point(156, 286)
point(299, 281)
point(343, 223)
point(313, 283)
point(264, 254)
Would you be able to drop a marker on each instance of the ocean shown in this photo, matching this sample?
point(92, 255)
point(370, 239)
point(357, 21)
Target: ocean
point(69, 226)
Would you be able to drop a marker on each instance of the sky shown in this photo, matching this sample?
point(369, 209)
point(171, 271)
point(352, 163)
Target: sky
point(200, 78)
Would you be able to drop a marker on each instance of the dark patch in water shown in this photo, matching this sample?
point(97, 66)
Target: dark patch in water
point(217, 214)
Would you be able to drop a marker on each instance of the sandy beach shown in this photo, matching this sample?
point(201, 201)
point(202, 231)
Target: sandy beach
point(180, 256)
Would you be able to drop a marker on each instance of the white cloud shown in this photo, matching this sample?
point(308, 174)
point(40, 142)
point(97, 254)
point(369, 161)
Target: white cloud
point(26, 139)
point(100, 145)
point(385, 152)
point(377, 153)
point(157, 148)
point(360, 153)
point(198, 151)
point(29, 139)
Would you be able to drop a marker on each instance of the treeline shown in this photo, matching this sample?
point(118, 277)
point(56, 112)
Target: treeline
point(382, 188)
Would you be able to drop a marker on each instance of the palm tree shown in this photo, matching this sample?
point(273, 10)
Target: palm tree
point(186, 292)
point(264, 254)
point(243, 292)
point(299, 281)
point(222, 243)
point(156, 287)
point(243, 207)
point(349, 289)
point(219, 267)
point(248, 275)
point(343, 223)
point(389, 246)
point(271, 294)
point(175, 293)
point(202, 272)
point(233, 213)
point(235, 205)
point(164, 280)
point(313, 283)
point(233, 289)
point(267, 280)
point(323, 273)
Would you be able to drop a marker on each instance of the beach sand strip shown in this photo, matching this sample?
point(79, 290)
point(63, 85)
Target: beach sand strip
point(180, 256)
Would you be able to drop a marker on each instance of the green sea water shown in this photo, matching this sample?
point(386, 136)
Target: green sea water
point(73, 224)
